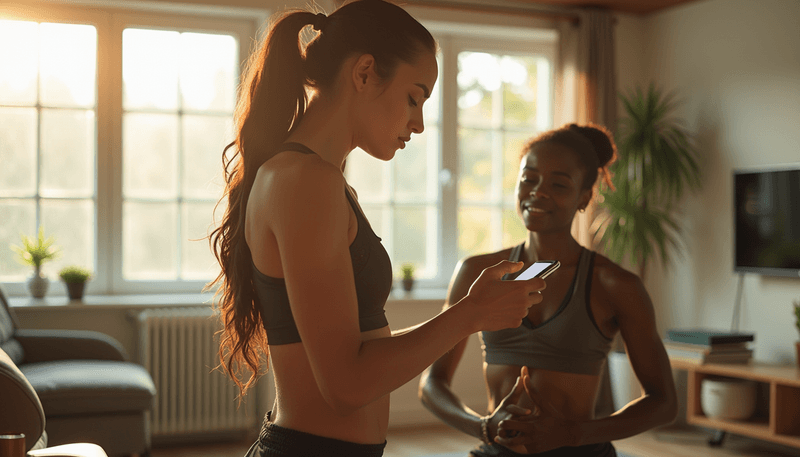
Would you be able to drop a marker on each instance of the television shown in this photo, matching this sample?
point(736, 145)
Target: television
point(767, 221)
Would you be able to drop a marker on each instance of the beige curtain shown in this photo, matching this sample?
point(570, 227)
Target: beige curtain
point(586, 91)
point(586, 88)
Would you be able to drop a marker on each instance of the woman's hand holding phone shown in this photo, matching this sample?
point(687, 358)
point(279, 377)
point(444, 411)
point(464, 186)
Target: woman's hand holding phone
point(496, 304)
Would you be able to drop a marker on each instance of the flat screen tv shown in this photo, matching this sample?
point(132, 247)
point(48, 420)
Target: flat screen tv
point(767, 221)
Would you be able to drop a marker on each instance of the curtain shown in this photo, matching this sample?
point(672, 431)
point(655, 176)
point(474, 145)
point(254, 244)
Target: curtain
point(586, 91)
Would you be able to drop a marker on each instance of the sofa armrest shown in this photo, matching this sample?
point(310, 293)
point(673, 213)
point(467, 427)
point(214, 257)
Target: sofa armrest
point(50, 345)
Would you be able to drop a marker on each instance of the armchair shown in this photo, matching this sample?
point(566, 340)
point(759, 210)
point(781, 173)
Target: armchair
point(86, 386)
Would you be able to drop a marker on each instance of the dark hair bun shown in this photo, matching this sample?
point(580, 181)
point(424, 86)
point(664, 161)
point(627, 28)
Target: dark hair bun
point(601, 140)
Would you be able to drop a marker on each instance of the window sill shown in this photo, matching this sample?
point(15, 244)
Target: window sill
point(397, 297)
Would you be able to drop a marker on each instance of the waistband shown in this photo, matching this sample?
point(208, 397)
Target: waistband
point(279, 441)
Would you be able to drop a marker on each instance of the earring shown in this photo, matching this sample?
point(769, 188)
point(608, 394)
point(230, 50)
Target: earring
point(582, 210)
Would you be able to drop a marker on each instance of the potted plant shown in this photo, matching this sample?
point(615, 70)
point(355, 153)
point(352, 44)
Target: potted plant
point(36, 252)
point(656, 164)
point(407, 271)
point(75, 278)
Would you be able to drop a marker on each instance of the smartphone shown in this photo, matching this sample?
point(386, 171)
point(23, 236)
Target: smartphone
point(540, 269)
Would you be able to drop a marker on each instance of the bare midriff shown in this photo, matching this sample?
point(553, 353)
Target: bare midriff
point(571, 394)
point(300, 405)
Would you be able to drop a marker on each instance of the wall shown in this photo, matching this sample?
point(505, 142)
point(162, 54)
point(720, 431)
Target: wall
point(736, 67)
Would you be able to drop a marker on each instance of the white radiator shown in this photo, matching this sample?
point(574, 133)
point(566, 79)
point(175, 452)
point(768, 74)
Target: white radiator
point(179, 349)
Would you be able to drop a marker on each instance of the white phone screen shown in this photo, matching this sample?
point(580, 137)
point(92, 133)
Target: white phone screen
point(537, 267)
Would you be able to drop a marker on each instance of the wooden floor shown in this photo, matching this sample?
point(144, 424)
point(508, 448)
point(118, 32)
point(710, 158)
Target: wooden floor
point(439, 439)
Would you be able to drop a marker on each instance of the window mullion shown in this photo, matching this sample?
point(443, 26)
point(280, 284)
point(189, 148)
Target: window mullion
point(449, 148)
point(109, 177)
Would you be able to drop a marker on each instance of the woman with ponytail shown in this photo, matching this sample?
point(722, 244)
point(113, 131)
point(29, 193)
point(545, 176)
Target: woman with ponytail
point(304, 279)
point(542, 378)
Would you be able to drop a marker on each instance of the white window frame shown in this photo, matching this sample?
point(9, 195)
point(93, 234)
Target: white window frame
point(242, 24)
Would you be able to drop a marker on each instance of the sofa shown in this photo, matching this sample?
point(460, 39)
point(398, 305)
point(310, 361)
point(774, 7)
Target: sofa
point(89, 391)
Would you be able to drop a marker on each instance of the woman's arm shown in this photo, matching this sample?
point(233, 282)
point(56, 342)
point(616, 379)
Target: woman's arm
point(435, 382)
point(310, 224)
point(637, 324)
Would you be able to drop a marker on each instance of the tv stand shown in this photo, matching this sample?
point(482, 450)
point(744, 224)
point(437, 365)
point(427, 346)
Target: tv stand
point(776, 420)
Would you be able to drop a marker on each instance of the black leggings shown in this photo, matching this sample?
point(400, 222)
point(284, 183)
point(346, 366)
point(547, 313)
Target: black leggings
point(589, 450)
point(277, 441)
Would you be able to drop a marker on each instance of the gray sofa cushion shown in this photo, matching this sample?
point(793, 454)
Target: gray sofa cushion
point(90, 386)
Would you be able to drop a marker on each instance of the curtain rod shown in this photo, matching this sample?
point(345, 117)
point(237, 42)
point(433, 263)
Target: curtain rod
point(462, 6)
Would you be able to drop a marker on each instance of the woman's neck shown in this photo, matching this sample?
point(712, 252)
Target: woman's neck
point(551, 246)
point(325, 128)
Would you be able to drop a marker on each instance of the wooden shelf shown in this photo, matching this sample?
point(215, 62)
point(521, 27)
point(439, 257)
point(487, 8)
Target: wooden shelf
point(777, 416)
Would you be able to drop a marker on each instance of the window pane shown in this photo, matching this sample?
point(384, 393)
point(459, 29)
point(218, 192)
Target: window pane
point(415, 237)
point(71, 222)
point(208, 71)
point(204, 139)
point(19, 56)
point(18, 217)
point(68, 65)
point(68, 153)
point(474, 231)
point(431, 108)
point(513, 144)
point(17, 151)
point(368, 175)
point(150, 69)
point(479, 78)
point(415, 178)
point(520, 89)
point(475, 164)
point(514, 231)
point(149, 235)
point(197, 260)
point(150, 155)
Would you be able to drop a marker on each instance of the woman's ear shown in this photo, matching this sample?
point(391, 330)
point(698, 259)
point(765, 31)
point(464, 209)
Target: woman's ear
point(585, 199)
point(364, 72)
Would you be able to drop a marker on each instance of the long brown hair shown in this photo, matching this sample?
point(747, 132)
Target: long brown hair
point(272, 100)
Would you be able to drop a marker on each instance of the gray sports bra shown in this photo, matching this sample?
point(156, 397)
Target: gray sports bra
point(569, 341)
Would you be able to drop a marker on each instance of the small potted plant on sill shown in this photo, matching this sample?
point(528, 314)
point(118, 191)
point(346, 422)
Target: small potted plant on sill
point(75, 277)
point(407, 271)
point(36, 252)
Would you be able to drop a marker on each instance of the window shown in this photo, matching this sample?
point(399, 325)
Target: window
point(450, 193)
point(112, 127)
point(48, 112)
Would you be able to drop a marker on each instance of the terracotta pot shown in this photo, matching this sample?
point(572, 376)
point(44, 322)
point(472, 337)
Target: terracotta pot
point(797, 348)
point(408, 284)
point(75, 290)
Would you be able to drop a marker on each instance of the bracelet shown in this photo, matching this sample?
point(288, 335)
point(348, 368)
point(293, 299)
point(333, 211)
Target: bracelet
point(485, 430)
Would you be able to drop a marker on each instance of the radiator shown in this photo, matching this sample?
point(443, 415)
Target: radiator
point(179, 349)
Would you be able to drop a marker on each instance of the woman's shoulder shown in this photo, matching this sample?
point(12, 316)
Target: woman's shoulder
point(295, 173)
point(612, 277)
point(472, 266)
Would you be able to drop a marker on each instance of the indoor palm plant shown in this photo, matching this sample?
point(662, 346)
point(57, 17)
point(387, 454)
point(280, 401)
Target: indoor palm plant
point(657, 163)
point(36, 252)
point(75, 278)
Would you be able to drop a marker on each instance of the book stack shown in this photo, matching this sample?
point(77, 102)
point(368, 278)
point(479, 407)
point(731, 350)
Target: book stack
point(708, 346)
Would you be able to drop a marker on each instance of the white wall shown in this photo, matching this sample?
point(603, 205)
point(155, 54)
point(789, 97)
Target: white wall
point(736, 66)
